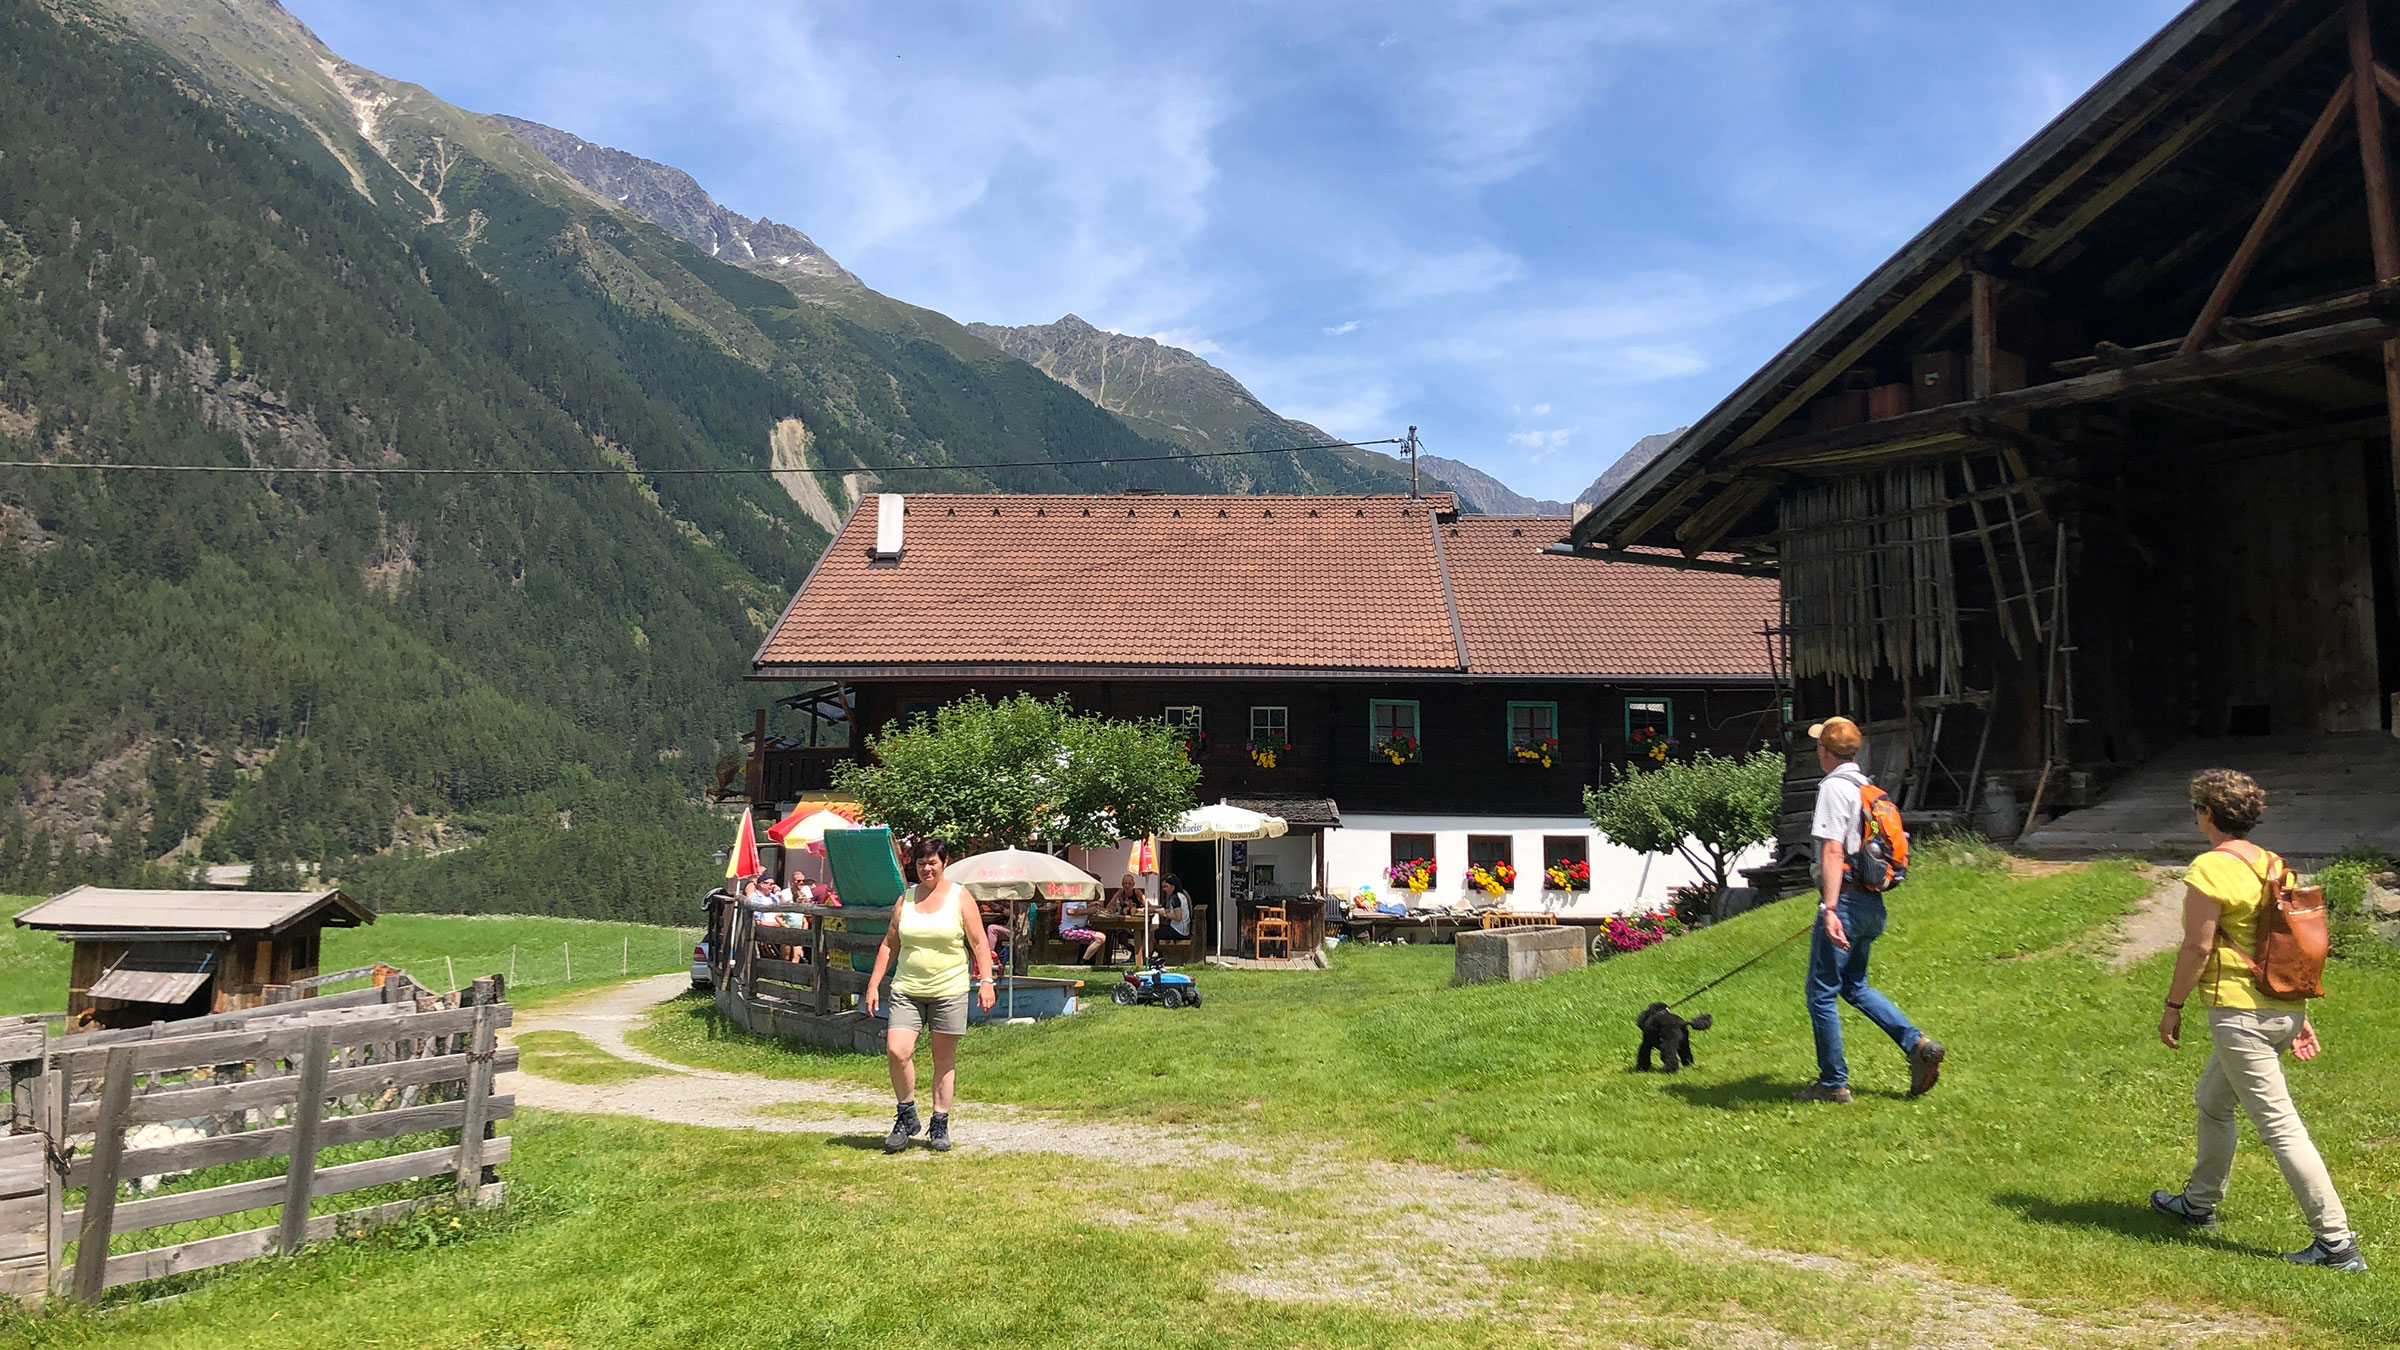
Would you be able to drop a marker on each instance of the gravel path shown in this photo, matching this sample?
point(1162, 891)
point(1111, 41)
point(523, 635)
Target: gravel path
point(1439, 1243)
point(2155, 925)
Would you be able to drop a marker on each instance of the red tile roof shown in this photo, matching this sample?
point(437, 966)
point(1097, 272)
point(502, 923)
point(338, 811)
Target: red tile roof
point(1531, 613)
point(1012, 584)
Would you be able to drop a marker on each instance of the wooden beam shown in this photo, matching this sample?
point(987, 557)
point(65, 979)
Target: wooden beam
point(2382, 232)
point(1715, 520)
point(1847, 357)
point(1668, 503)
point(1985, 341)
point(2174, 372)
point(2220, 300)
point(2108, 144)
point(2123, 185)
point(2387, 82)
point(1676, 561)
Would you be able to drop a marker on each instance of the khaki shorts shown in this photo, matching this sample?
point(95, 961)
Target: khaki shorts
point(945, 1014)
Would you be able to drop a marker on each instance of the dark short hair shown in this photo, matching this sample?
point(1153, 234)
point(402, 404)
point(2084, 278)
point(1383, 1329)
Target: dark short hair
point(2233, 799)
point(923, 847)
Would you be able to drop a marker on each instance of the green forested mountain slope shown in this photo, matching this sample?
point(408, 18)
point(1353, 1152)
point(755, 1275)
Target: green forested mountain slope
point(315, 660)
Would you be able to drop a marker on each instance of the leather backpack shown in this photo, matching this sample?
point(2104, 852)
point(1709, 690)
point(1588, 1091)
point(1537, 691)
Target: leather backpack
point(1881, 862)
point(2293, 936)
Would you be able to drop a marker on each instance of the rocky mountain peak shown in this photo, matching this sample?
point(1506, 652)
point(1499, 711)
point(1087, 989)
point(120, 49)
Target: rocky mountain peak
point(675, 202)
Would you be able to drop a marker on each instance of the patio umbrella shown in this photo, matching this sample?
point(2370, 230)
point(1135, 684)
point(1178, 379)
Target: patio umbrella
point(1220, 823)
point(744, 862)
point(1014, 875)
point(810, 829)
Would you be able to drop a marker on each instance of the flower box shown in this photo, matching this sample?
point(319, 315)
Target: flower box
point(1540, 752)
point(1268, 748)
point(1398, 749)
point(1495, 881)
point(1569, 876)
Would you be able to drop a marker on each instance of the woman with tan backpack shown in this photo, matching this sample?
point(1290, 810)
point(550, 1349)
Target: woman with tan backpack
point(2253, 950)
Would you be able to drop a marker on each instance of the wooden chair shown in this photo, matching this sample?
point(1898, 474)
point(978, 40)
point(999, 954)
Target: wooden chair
point(1272, 926)
point(1500, 918)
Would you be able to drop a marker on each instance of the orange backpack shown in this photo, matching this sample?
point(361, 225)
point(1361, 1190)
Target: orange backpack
point(1881, 862)
point(2293, 939)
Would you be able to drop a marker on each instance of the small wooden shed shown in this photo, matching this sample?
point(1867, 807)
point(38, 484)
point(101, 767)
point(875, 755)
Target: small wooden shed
point(150, 956)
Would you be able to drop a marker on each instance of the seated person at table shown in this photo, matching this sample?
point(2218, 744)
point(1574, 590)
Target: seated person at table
point(1174, 911)
point(996, 932)
point(1075, 925)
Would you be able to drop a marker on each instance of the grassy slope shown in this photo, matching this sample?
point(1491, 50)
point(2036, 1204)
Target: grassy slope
point(33, 966)
point(2027, 1168)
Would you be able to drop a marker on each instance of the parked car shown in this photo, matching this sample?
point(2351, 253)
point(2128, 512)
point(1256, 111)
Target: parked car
point(702, 976)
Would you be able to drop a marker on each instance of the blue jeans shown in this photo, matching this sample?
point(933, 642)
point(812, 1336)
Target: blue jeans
point(1836, 974)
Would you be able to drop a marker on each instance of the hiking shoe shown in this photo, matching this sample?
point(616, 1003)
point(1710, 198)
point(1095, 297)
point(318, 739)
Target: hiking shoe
point(1925, 1065)
point(2346, 1258)
point(938, 1138)
point(2174, 1206)
point(904, 1127)
point(1818, 1092)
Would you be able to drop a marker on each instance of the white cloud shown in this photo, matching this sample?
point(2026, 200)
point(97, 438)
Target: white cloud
point(1542, 444)
point(1195, 343)
point(1347, 326)
point(1541, 410)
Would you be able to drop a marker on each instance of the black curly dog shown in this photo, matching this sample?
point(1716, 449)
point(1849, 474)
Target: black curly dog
point(1669, 1035)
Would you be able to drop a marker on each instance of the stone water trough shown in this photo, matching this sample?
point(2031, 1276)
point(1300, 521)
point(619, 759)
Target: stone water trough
point(1513, 954)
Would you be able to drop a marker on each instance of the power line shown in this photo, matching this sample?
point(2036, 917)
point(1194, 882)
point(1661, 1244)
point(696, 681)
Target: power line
point(357, 471)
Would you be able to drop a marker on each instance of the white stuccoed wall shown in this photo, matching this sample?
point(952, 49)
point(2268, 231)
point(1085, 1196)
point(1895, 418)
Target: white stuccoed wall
point(1622, 880)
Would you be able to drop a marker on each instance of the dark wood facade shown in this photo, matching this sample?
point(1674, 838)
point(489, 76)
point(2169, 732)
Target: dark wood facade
point(1464, 765)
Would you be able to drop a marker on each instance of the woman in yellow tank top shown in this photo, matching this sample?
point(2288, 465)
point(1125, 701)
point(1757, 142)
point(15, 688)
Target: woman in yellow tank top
point(934, 930)
point(2248, 1030)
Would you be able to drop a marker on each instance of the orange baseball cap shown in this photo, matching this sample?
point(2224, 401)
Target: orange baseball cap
point(1837, 734)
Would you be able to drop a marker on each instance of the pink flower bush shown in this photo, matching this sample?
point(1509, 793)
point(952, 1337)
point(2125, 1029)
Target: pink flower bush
point(1632, 932)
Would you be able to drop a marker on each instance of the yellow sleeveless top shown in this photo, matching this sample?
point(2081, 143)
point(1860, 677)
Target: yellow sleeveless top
point(933, 949)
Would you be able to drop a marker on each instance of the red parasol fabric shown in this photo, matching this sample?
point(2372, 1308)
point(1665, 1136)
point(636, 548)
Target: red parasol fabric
point(744, 861)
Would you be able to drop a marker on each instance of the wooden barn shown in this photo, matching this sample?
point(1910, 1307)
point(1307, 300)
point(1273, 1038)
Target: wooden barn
point(150, 956)
point(2092, 484)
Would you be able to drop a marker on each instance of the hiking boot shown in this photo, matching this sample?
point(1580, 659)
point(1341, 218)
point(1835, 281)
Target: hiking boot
point(904, 1128)
point(938, 1138)
point(2346, 1258)
point(1925, 1065)
point(2174, 1206)
point(1818, 1092)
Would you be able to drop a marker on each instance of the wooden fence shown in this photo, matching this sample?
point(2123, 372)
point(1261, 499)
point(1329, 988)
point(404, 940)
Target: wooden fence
point(99, 1113)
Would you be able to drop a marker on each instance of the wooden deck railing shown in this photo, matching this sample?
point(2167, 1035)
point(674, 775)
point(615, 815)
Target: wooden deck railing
point(812, 982)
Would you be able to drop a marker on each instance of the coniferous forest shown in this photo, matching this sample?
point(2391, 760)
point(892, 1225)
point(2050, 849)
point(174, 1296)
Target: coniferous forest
point(481, 693)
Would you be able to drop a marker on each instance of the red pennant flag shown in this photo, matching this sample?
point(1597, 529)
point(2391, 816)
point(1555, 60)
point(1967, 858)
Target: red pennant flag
point(744, 861)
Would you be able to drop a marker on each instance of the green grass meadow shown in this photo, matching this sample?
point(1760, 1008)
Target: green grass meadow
point(550, 956)
point(2027, 1170)
point(2029, 1167)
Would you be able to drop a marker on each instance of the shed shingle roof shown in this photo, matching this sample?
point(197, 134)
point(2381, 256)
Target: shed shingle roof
point(99, 907)
point(1004, 583)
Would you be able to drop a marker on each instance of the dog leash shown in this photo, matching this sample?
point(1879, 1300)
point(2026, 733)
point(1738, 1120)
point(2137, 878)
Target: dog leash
point(1812, 926)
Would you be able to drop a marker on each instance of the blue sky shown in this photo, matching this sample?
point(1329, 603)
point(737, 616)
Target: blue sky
point(1537, 231)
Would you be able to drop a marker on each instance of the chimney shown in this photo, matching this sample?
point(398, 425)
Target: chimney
point(890, 510)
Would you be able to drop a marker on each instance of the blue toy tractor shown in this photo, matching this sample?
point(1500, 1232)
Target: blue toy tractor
point(1156, 985)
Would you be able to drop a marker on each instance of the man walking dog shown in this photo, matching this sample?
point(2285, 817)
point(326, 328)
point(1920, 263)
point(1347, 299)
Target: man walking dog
point(1850, 917)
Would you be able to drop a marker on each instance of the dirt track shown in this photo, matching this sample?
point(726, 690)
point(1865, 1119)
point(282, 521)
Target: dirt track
point(1439, 1237)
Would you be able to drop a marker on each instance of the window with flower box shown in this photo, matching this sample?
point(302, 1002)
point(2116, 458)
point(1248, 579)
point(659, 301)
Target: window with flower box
point(1185, 720)
point(1392, 729)
point(1566, 862)
point(1270, 735)
point(1491, 864)
point(1412, 866)
point(1533, 733)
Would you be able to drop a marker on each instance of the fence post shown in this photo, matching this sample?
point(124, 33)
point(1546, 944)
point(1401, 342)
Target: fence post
point(479, 1092)
point(512, 963)
point(300, 1179)
point(52, 1107)
point(567, 954)
point(624, 956)
point(818, 961)
point(100, 1186)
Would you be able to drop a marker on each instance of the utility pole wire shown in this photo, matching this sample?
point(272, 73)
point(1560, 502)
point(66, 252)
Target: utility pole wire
point(356, 471)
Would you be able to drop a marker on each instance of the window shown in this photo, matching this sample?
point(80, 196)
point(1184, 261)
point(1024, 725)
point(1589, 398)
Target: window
point(1532, 723)
point(913, 708)
point(1184, 717)
point(1391, 720)
point(1407, 848)
point(1271, 727)
point(1566, 862)
point(1655, 715)
point(1492, 856)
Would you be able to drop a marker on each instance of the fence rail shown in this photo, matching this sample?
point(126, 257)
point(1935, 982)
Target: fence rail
point(113, 1113)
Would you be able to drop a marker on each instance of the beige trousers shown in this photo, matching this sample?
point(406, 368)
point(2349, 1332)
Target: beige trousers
point(2246, 1070)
